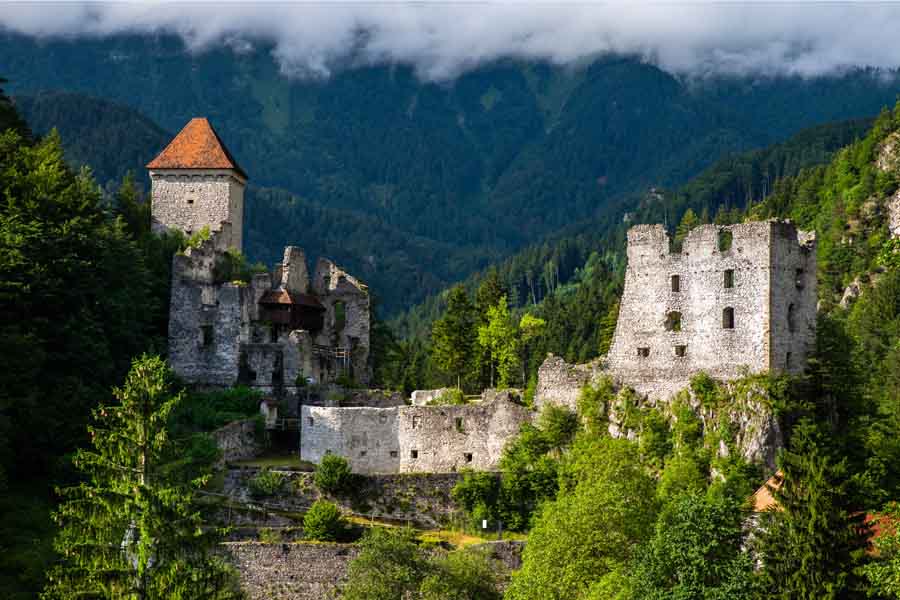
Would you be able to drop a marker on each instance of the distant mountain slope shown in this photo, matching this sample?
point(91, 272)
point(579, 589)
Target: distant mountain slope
point(556, 265)
point(485, 165)
point(111, 138)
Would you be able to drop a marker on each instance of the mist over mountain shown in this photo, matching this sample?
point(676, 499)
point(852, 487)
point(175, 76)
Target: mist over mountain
point(417, 183)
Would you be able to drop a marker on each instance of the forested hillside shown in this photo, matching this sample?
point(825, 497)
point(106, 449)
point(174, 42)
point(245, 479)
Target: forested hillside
point(469, 170)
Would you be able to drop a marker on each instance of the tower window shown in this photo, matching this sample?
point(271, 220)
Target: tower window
point(393, 454)
point(790, 318)
point(468, 457)
point(643, 352)
point(680, 351)
point(459, 424)
point(728, 318)
point(787, 361)
point(362, 452)
point(729, 278)
point(725, 240)
point(207, 335)
point(414, 454)
point(676, 283)
point(310, 421)
point(673, 321)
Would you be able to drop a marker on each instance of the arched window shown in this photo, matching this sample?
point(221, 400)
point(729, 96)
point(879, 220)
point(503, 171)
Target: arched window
point(673, 321)
point(728, 318)
point(790, 318)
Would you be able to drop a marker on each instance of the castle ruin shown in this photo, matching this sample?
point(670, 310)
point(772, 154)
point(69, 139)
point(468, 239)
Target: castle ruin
point(276, 332)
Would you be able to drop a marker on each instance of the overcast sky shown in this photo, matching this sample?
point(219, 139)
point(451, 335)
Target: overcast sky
point(442, 39)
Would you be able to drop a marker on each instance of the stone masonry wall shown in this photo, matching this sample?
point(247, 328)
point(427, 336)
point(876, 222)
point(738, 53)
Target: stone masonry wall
point(238, 440)
point(188, 202)
point(411, 439)
point(299, 571)
point(763, 262)
point(560, 383)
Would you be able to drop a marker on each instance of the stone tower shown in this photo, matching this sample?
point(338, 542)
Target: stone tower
point(196, 183)
point(738, 298)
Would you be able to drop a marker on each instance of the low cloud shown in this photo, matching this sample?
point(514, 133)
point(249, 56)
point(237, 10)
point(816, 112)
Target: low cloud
point(441, 40)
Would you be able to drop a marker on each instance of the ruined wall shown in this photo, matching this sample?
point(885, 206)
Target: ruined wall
point(295, 571)
point(238, 440)
point(188, 201)
point(792, 309)
point(756, 272)
point(410, 439)
point(366, 437)
point(335, 287)
point(560, 383)
point(204, 319)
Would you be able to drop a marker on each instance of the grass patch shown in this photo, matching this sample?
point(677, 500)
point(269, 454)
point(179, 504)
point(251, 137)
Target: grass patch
point(291, 462)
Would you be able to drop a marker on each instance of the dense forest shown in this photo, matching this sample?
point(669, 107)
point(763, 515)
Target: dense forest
point(469, 171)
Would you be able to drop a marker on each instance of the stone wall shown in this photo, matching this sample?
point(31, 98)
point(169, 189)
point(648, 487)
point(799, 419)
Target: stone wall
point(676, 307)
point(422, 499)
point(560, 383)
point(238, 440)
point(303, 571)
point(188, 202)
point(290, 571)
point(412, 439)
point(423, 397)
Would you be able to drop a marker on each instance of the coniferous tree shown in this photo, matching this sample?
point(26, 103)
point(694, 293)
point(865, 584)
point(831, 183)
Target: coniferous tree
point(130, 529)
point(810, 544)
point(499, 337)
point(453, 335)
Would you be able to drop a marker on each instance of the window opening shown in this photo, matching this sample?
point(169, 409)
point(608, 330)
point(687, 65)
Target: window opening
point(790, 318)
point(393, 454)
point(414, 454)
point(725, 240)
point(729, 278)
point(459, 424)
point(680, 351)
point(728, 318)
point(787, 361)
point(673, 321)
point(207, 331)
point(468, 456)
point(643, 352)
point(310, 421)
point(676, 283)
point(362, 452)
point(340, 316)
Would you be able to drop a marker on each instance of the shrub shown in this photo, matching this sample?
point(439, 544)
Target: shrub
point(266, 483)
point(323, 522)
point(450, 396)
point(333, 475)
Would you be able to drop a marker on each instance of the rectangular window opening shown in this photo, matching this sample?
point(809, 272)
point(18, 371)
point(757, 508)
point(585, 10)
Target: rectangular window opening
point(680, 351)
point(207, 332)
point(729, 278)
point(787, 361)
point(414, 454)
point(362, 452)
point(643, 352)
point(676, 283)
point(459, 423)
point(468, 456)
point(728, 318)
point(393, 454)
point(310, 421)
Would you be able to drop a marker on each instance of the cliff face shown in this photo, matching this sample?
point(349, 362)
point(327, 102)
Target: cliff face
point(889, 160)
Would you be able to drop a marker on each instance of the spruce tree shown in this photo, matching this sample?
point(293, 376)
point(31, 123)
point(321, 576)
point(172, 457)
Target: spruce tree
point(810, 542)
point(130, 529)
point(453, 335)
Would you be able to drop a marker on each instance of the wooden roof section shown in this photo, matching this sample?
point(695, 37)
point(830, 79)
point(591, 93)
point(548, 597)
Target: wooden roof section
point(197, 146)
point(280, 296)
point(762, 499)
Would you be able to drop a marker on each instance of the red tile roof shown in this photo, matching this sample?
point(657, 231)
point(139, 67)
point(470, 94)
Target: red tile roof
point(197, 146)
point(283, 297)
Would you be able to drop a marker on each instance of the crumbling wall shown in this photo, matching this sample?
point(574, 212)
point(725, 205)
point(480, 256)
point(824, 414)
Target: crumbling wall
point(792, 309)
point(238, 440)
point(344, 296)
point(366, 437)
point(412, 439)
point(203, 198)
point(204, 319)
point(290, 571)
point(717, 317)
point(423, 397)
point(560, 383)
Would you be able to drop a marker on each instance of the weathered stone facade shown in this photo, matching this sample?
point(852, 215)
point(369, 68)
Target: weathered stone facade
point(271, 333)
point(736, 299)
point(239, 440)
point(408, 439)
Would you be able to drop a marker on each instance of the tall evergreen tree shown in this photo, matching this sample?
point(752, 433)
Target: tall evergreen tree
point(453, 335)
point(500, 338)
point(130, 529)
point(810, 544)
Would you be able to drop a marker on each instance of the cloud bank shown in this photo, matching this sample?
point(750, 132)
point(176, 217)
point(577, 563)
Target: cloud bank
point(441, 40)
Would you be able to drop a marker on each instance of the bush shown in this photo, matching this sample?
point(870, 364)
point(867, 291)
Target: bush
point(266, 483)
point(452, 396)
point(209, 411)
point(323, 522)
point(333, 475)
